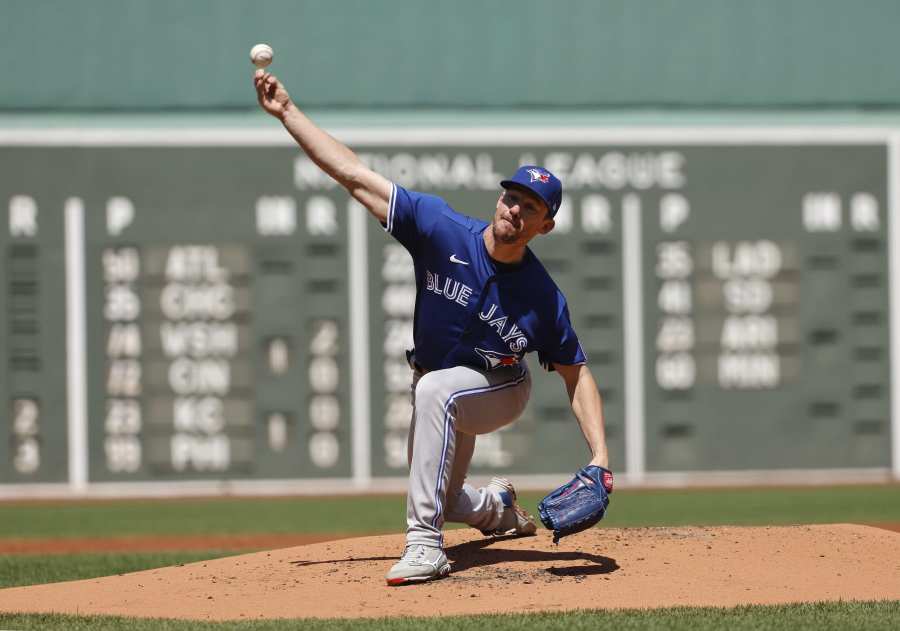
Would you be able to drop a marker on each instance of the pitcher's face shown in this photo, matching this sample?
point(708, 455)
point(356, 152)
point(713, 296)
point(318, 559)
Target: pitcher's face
point(520, 216)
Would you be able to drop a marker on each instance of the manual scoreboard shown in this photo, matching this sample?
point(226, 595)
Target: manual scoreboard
point(732, 299)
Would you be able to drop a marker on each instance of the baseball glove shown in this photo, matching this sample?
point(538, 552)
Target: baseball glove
point(579, 503)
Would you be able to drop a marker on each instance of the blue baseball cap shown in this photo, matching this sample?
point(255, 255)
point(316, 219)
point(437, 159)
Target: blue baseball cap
point(539, 181)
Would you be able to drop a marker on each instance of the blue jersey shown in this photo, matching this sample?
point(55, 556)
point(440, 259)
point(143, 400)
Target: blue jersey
point(470, 311)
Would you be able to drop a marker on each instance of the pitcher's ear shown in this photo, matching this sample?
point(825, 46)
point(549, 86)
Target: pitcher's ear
point(547, 226)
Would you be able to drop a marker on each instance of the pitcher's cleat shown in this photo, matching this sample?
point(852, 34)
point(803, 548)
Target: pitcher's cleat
point(418, 564)
point(515, 521)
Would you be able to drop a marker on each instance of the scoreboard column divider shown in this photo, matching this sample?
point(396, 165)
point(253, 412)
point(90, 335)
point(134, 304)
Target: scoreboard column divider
point(358, 286)
point(633, 331)
point(893, 218)
point(76, 346)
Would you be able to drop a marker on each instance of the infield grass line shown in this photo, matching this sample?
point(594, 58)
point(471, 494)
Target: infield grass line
point(874, 616)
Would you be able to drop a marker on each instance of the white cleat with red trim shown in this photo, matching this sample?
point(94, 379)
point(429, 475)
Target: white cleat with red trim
point(419, 564)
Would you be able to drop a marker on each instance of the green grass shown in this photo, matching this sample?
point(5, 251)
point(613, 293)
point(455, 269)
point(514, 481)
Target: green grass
point(755, 506)
point(202, 516)
point(17, 570)
point(813, 617)
point(384, 514)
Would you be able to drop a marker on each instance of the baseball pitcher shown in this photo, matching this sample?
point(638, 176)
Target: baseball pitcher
point(483, 302)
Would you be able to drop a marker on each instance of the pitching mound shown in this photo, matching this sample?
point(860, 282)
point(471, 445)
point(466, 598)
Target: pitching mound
point(611, 568)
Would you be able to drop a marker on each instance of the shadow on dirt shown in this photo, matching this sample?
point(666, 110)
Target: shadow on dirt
point(301, 563)
point(473, 554)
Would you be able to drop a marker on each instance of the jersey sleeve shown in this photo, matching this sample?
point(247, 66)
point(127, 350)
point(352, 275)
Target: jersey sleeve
point(412, 216)
point(562, 345)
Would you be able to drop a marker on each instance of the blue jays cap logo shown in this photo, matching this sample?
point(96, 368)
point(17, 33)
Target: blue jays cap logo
point(540, 182)
point(539, 176)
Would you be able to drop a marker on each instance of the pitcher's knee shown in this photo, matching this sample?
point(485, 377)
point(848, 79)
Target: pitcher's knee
point(431, 390)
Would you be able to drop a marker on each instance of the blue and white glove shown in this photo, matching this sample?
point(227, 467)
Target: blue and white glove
point(578, 504)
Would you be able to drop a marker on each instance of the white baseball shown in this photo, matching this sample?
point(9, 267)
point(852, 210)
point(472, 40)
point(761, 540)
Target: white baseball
point(261, 55)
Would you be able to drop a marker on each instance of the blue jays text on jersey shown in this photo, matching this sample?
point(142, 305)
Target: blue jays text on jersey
point(471, 310)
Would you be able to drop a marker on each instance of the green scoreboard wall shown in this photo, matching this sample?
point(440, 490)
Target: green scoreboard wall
point(230, 314)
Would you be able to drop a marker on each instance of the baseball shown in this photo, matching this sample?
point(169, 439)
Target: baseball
point(261, 55)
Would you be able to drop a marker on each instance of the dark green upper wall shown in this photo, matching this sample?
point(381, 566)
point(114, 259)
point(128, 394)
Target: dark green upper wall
point(180, 54)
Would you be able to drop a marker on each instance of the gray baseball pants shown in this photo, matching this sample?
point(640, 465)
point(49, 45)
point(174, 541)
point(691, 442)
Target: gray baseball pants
point(450, 408)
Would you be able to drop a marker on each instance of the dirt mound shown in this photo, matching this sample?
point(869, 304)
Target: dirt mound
point(602, 568)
